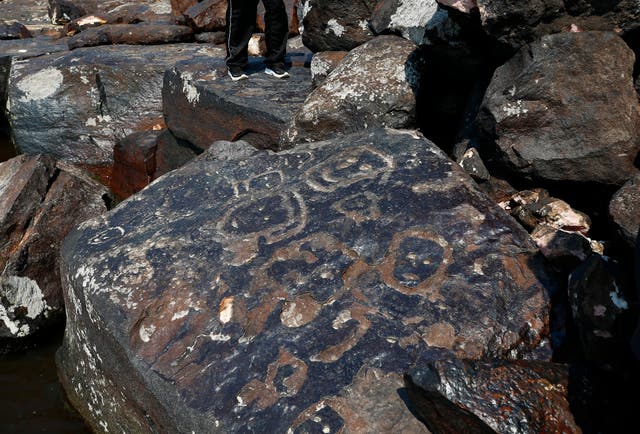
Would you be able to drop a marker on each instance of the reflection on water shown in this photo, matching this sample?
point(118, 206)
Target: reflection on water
point(31, 398)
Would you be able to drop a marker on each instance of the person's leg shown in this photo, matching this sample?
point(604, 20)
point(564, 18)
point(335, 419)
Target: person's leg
point(241, 21)
point(276, 32)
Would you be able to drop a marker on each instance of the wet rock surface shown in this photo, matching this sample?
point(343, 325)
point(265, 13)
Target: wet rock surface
point(292, 290)
point(375, 85)
point(455, 396)
point(75, 106)
point(202, 104)
point(549, 123)
point(40, 203)
point(335, 25)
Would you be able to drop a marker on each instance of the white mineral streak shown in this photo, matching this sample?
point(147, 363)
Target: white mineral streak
point(226, 310)
point(21, 292)
point(146, 332)
point(306, 8)
point(335, 27)
point(189, 90)
point(319, 66)
point(514, 109)
point(40, 85)
point(179, 315)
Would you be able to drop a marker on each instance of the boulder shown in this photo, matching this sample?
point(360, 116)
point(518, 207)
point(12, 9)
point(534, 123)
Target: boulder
point(75, 106)
point(13, 31)
point(514, 24)
point(336, 25)
point(207, 15)
point(624, 210)
point(64, 11)
point(39, 204)
point(489, 397)
point(472, 163)
point(290, 291)
point(202, 104)
point(323, 64)
point(564, 109)
point(603, 306)
point(375, 85)
point(565, 249)
point(144, 156)
point(25, 11)
point(131, 34)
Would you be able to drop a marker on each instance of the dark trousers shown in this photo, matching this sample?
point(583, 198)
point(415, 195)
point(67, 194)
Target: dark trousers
point(241, 22)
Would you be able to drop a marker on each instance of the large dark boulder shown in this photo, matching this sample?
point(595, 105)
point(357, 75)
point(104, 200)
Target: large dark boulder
point(514, 23)
point(292, 290)
point(375, 85)
point(624, 210)
point(564, 109)
point(202, 104)
point(13, 30)
point(336, 25)
point(40, 202)
point(489, 397)
point(75, 106)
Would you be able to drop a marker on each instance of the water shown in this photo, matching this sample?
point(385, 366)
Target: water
point(31, 398)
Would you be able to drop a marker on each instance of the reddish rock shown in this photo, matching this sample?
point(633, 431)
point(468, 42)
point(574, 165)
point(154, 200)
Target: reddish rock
point(323, 64)
point(131, 34)
point(489, 397)
point(375, 85)
point(465, 6)
point(291, 291)
point(624, 210)
point(40, 202)
point(564, 109)
point(207, 15)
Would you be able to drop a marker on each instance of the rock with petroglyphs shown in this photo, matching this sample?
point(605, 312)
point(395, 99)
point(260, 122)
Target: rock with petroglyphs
point(202, 105)
point(564, 109)
point(493, 396)
point(40, 202)
point(335, 25)
point(76, 105)
point(375, 85)
point(289, 292)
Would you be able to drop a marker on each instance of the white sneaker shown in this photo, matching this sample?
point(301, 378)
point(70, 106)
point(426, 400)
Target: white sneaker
point(237, 74)
point(277, 72)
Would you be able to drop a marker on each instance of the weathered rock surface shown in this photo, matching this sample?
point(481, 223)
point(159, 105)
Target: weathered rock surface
point(64, 11)
point(564, 109)
point(24, 11)
point(336, 25)
point(472, 163)
point(132, 34)
point(13, 31)
point(292, 290)
point(517, 23)
point(602, 309)
point(323, 64)
point(202, 104)
point(207, 15)
point(488, 397)
point(375, 85)
point(144, 156)
point(465, 6)
point(624, 210)
point(75, 106)
point(39, 204)
point(564, 249)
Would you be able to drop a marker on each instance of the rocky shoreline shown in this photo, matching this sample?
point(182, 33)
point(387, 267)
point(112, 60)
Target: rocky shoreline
point(432, 226)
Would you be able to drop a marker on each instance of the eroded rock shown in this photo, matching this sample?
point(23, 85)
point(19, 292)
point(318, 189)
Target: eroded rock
point(323, 64)
point(39, 204)
point(564, 109)
point(131, 34)
point(624, 210)
point(488, 397)
point(75, 106)
point(202, 104)
point(375, 85)
point(336, 25)
point(292, 290)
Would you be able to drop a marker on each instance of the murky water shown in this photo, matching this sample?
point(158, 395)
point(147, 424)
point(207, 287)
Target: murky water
point(31, 398)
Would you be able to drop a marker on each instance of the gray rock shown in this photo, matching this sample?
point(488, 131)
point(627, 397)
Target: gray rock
point(292, 290)
point(75, 106)
point(624, 210)
point(336, 25)
point(25, 11)
point(564, 109)
point(375, 85)
point(202, 105)
point(39, 204)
